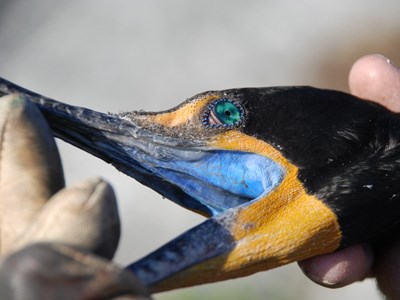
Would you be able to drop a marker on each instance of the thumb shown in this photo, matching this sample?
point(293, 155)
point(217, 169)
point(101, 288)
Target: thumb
point(375, 78)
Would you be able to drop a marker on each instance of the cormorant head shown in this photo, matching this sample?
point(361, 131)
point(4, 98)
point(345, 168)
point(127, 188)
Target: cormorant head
point(224, 154)
point(268, 166)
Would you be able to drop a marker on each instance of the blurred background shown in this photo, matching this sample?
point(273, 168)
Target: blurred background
point(125, 55)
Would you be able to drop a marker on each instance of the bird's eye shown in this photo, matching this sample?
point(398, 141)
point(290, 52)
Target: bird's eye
point(223, 113)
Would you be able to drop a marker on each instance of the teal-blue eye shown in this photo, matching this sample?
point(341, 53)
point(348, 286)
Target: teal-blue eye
point(223, 113)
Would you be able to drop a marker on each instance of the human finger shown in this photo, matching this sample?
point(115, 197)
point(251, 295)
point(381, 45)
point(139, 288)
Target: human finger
point(374, 77)
point(387, 271)
point(339, 268)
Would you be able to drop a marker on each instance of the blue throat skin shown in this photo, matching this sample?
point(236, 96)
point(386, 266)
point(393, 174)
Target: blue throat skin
point(217, 179)
point(283, 173)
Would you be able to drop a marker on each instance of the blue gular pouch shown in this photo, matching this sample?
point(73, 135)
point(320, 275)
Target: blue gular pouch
point(218, 179)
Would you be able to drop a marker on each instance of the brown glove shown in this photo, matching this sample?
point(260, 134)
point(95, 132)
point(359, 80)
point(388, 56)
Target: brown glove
point(35, 207)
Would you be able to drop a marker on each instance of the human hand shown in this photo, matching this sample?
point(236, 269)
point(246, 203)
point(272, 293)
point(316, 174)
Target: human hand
point(35, 207)
point(372, 77)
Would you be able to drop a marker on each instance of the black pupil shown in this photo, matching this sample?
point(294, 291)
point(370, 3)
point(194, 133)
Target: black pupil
point(227, 113)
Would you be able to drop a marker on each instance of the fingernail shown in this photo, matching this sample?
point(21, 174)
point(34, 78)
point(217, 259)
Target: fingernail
point(333, 277)
point(329, 278)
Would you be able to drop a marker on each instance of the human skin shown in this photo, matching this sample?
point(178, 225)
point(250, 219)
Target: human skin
point(375, 78)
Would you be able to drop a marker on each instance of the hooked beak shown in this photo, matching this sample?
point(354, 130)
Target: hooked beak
point(261, 215)
point(180, 164)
